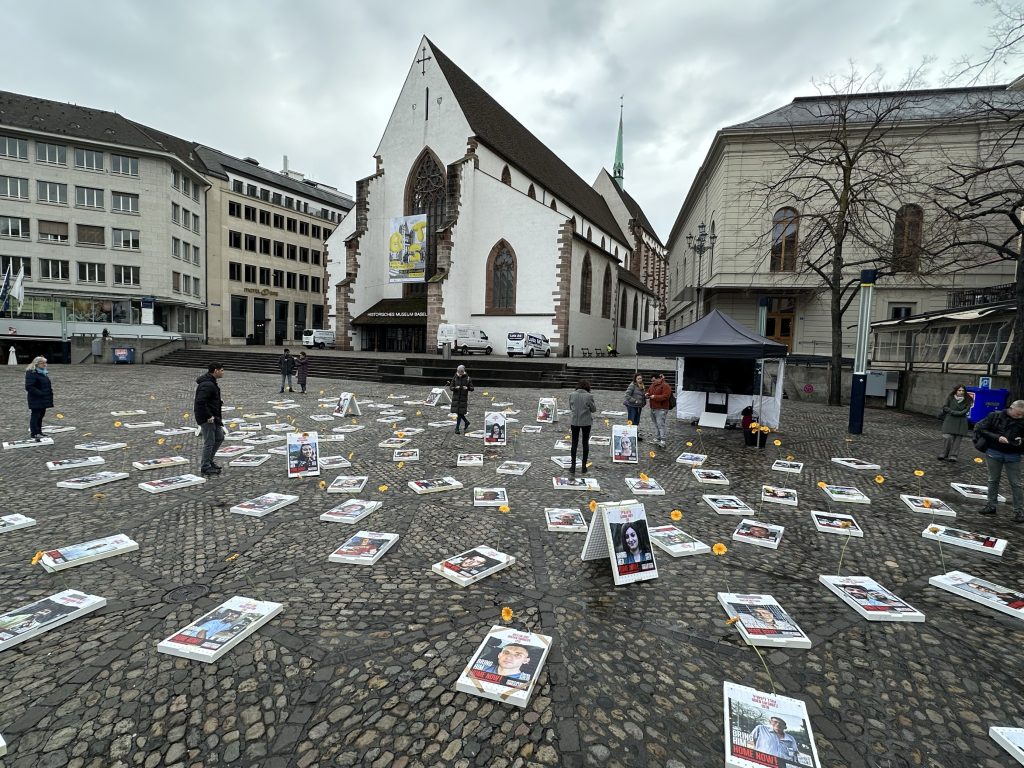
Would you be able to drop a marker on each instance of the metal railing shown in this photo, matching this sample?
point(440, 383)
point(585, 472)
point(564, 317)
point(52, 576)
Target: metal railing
point(974, 297)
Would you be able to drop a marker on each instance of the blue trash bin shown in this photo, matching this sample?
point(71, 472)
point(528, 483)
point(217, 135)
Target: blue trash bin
point(123, 354)
point(986, 401)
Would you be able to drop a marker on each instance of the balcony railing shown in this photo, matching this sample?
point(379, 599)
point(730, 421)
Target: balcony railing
point(973, 297)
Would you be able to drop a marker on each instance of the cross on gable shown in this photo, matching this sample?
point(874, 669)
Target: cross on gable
point(423, 61)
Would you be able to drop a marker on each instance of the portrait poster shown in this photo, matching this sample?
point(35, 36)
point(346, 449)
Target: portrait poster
point(264, 505)
point(347, 405)
point(494, 428)
point(469, 460)
point(174, 483)
point(979, 492)
point(775, 495)
point(870, 599)
point(91, 481)
point(727, 505)
point(676, 542)
point(513, 467)
point(1010, 739)
point(405, 454)
point(232, 451)
point(21, 624)
point(472, 565)
point(350, 511)
point(87, 552)
point(407, 249)
point(164, 462)
point(631, 552)
point(766, 729)
point(303, 454)
point(710, 476)
point(978, 542)
point(928, 505)
point(434, 485)
point(691, 459)
point(489, 497)
point(506, 666)
point(28, 442)
point(565, 520)
point(100, 446)
point(364, 548)
point(758, 533)
point(14, 521)
point(793, 467)
point(217, 632)
point(575, 483)
point(845, 494)
point(75, 463)
point(250, 460)
point(624, 444)
point(762, 621)
point(834, 522)
point(995, 596)
point(547, 410)
point(434, 397)
point(648, 487)
point(348, 484)
point(852, 463)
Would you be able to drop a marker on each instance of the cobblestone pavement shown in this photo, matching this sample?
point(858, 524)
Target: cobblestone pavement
point(360, 667)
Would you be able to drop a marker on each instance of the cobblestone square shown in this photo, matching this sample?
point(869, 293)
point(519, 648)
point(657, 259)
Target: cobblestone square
point(360, 667)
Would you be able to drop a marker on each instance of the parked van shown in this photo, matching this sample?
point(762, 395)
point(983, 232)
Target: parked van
point(528, 344)
point(318, 339)
point(463, 338)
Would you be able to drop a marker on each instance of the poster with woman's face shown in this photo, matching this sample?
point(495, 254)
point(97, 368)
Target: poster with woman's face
point(547, 410)
point(630, 548)
point(494, 428)
point(624, 444)
point(303, 454)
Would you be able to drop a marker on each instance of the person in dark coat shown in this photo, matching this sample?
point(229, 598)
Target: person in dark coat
point(954, 422)
point(40, 395)
point(1003, 433)
point(461, 386)
point(286, 364)
point(301, 370)
point(207, 410)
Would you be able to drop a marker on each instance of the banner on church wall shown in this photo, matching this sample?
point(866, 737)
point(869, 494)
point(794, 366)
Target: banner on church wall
point(407, 249)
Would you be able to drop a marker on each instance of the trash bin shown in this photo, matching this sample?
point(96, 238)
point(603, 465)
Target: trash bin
point(123, 355)
point(986, 401)
point(446, 350)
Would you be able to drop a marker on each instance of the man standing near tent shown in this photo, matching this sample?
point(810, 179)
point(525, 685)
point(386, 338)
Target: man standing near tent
point(659, 396)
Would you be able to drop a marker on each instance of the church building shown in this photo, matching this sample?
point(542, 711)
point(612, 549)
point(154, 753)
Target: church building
point(469, 218)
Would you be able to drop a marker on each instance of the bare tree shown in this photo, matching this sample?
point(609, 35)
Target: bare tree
point(851, 159)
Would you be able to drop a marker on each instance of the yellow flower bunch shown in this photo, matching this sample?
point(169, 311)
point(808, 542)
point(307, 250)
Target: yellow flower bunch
point(719, 549)
point(676, 515)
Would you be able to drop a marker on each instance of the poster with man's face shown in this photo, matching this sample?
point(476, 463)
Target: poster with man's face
point(303, 454)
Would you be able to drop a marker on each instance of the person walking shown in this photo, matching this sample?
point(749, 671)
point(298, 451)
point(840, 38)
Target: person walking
point(660, 395)
point(1002, 433)
point(40, 395)
point(301, 371)
point(461, 385)
point(954, 422)
point(286, 363)
point(207, 410)
point(581, 419)
point(636, 398)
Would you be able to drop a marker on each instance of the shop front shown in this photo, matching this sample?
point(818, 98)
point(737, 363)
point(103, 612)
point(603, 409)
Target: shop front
point(394, 325)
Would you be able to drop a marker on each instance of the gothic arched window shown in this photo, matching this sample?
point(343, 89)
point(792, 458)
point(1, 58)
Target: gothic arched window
point(623, 305)
point(606, 293)
point(501, 280)
point(425, 193)
point(586, 284)
point(636, 310)
point(506, 176)
point(531, 193)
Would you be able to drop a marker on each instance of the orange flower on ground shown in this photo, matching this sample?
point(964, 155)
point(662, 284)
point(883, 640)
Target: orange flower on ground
point(506, 614)
point(879, 479)
point(592, 505)
point(845, 524)
point(117, 423)
point(606, 422)
point(719, 549)
point(822, 483)
point(419, 413)
point(926, 503)
point(60, 415)
point(978, 459)
point(652, 454)
point(689, 444)
point(161, 441)
point(629, 422)
point(776, 443)
point(322, 484)
point(321, 391)
point(99, 496)
point(351, 454)
point(934, 529)
point(504, 508)
point(790, 457)
point(676, 515)
point(184, 416)
point(382, 488)
point(733, 620)
point(918, 473)
point(36, 558)
point(644, 477)
point(233, 557)
point(486, 394)
point(400, 434)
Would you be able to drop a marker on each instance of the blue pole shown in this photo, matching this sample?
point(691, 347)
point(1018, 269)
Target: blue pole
point(859, 386)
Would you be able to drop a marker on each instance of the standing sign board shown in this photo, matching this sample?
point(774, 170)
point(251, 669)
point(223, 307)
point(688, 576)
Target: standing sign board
point(619, 532)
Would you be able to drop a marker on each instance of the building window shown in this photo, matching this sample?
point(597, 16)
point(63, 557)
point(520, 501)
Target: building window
point(278, 278)
point(303, 282)
point(54, 269)
point(16, 149)
point(88, 159)
point(250, 190)
point(304, 255)
point(623, 305)
point(175, 213)
point(279, 249)
point(125, 238)
point(124, 202)
point(264, 217)
point(900, 311)
point(327, 232)
point(250, 213)
point(586, 284)
point(195, 287)
point(175, 247)
point(175, 179)
point(90, 235)
point(636, 311)
point(234, 271)
point(12, 186)
point(647, 314)
point(186, 185)
point(290, 280)
point(239, 313)
point(234, 239)
point(237, 186)
point(11, 226)
point(506, 176)
point(531, 193)
point(186, 284)
point(125, 166)
point(304, 228)
point(195, 254)
point(606, 293)
point(501, 280)
point(314, 284)
point(315, 256)
point(426, 194)
point(250, 243)
point(55, 154)
point(293, 252)
point(785, 239)
point(299, 321)
point(250, 273)
point(53, 231)
point(265, 246)
point(52, 192)
point(14, 264)
point(90, 272)
point(264, 275)
point(315, 233)
point(906, 239)
point(125, 275)
point(89, 197)
point(234, 209)
point(292, 225)
point(278, 221)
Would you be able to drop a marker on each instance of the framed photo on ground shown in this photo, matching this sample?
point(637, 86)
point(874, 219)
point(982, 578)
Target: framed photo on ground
point(91, 481)
point(175, 483)
point(513, 467)
point(303, 454)
point(506, 665)
point(348, 484)
point(765, 729)
point(845, 494)
point(405, 454)
point(691, 459)
point(775, 495)
point(75, 463)
point(469, 460)
point(334, 462)
point(87, 552)
point(264, 505)
point(364, 548)
point(834, 522)
point(472, 565)
point(435, 485)
point(928, 505)
point(15, 521)
point(759, 533)
point(215, 633)
point(856, 463)
point(24, 623)
point(489, 497)
point(762, 621)
point(793, 467)
point(350, 511)
point(164, 462)
point(978, 492)
point(565, 520)
point(710, 476)
point(977, 542)
point(995, 596)
point(624, 444)
point(250, 460)
point(640, 487)
point(727, 505)
point(677, 543)
point(575, 484)
point(100, 446)
point(870, 599)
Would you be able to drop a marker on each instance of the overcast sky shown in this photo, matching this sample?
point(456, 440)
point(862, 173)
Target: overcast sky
point(316, 79)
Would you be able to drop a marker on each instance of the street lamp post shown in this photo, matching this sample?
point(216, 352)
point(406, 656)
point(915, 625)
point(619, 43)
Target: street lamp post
point(700, 245)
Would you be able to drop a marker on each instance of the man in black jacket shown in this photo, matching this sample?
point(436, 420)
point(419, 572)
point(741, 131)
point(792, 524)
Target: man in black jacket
point(207, 410)
point(287, 365)
point(1003, 431)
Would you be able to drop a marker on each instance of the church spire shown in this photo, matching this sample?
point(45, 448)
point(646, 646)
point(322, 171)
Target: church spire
point(619, 168)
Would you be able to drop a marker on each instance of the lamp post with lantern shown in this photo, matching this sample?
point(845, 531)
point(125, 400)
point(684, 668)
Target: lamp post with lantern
point(700, 244)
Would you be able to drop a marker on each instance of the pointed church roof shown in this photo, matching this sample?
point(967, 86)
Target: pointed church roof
point(633, 207)
point(494, 126)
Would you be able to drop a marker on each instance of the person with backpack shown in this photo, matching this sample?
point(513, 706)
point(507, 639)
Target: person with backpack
point(659, 395)
point(1000, 436)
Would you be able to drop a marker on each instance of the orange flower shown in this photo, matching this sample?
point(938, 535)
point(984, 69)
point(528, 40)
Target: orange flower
point(351, 454)
point(776, 443)
point(978, 459)
point(60, 415)
point(629, 422)
point(879, 479)
point(754, 425)
point(161, 441)
point(733, 620)
point(322, 484)
point(321, 391)
point(233, 557)
point(418, 413)
point(934, 529)
point(486, 394)
point(845, 524)
point(401, 464)
point(506, 614)
point(766, 430)
point(99, 496)
point(36, 558)
point(184, 416)
point(400, 434)
point(382, 488)
point(592, 505)
point(305, 434)
point(918, 473)
point(719, 549)
point(652, 454)
point(822, 483)
point(926, 503)
point(504, 508)
point(644, 477)
point(676, 515)
point(790, 457)
point(689, 444)
point(117, 423)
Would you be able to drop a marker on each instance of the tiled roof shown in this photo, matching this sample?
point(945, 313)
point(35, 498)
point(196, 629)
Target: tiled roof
point(634, 209)
point(499, 130)
point(627, 277)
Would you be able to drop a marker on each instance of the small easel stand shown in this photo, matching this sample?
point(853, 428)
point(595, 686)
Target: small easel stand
point(435, 395)
point(347, 405)
point(12, 357)
point(599, 543)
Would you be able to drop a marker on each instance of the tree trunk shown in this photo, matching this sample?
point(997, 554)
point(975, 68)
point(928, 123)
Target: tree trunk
point(1016, 355)
point(835, 380)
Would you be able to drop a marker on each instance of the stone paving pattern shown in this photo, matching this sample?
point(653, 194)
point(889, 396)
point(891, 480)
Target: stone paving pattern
point(360, 667)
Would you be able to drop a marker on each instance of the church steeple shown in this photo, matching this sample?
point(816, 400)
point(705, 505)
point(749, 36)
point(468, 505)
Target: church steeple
point(619, 168)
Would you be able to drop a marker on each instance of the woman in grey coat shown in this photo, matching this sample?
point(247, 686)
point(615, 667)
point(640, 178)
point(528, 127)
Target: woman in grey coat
point(582, 409)
point(954, 422)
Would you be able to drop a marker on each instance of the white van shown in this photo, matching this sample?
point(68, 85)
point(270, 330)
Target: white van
point(318, 339)
point(463, 338)
point(528, 344)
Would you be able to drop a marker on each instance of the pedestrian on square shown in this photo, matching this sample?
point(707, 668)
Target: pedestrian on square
point(635, 400)
point(954, 422)
point(582, 409)
point(286, 364)
point(207, 410)
point(40, 395)
point(1002, 433)
point(461, 385)
point(659, 394)
point(301, 371)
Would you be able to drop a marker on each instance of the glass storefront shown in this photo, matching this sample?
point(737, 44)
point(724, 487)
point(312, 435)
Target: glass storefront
point(79, 310)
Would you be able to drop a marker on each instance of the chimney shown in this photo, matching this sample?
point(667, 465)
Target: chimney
point(285, 168)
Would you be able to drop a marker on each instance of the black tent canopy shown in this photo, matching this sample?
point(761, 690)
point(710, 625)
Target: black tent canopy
point(714, 335)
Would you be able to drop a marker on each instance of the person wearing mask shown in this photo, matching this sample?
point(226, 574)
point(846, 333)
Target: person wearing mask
point(581, 409)
point(40, 395)
point(954, 422)
point(461, 385)
point(207, 410)
point(301, 371)
point(659, 394)
point(1003, 436)
point(635, 400)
